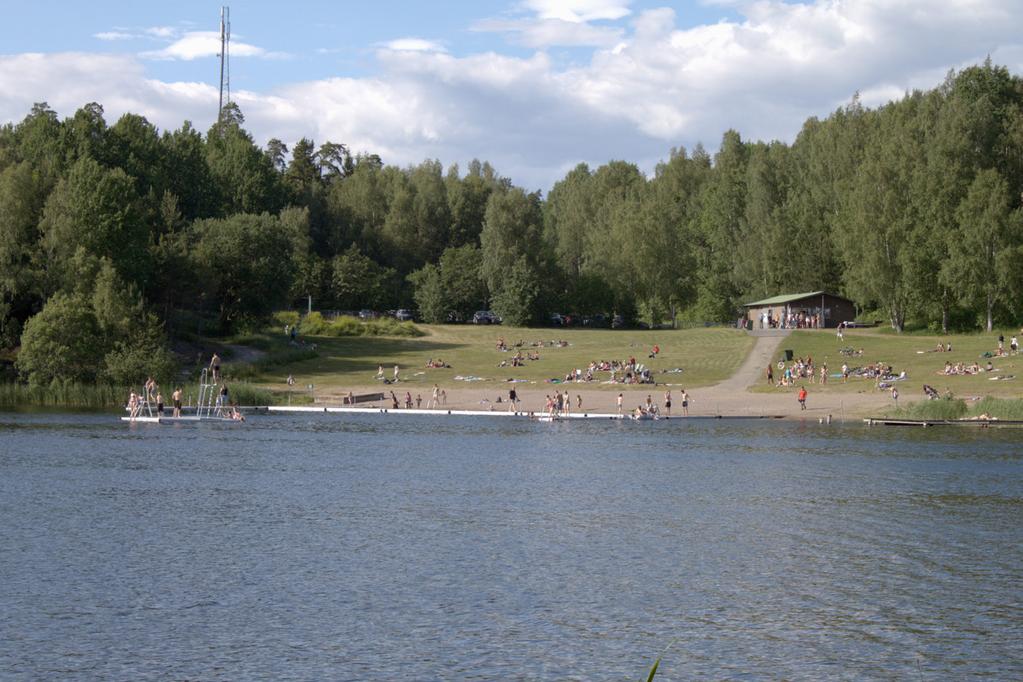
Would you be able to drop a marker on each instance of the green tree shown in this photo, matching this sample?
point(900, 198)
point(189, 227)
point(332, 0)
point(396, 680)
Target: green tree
point(357, 281)
point(245, 177)
point(428, 293)
point(516, 297)
point(21, 203)
point(62, 342)
point(96, 209)
point(243, 264)
point(987, 227)
point(512, 232)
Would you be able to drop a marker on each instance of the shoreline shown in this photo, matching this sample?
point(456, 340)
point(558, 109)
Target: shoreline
point(708, 402)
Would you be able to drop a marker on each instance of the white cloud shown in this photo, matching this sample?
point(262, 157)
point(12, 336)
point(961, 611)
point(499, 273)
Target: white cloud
point(199, 44)
point(162, 31)
point(413, 45)
point(579, 10)
point(564, 23)
point(113, 35)
point(655, 86)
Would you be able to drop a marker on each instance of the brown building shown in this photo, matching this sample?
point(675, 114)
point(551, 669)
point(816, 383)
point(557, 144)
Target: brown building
point(813, 309)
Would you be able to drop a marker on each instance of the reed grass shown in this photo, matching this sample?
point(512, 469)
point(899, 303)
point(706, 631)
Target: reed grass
point(249, 395)
point(943, 408)
point(999, 408)
point(62, 394)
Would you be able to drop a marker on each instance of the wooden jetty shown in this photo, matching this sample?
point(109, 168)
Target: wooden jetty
point(885, 421)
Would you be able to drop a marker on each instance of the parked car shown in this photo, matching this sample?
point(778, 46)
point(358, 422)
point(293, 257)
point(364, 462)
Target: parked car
point(404, 314)
point(617, 322)
point(485, 317)
point(367, 315)
point(557, 320)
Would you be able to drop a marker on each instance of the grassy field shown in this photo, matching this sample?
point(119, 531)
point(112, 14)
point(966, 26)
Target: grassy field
point(913, 353)
point(706, 356)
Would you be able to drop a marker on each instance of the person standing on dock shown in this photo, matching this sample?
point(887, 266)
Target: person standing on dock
point(513, 399)
point(215, 368)
point(685, 402)
point(396, 374)
point(667, 403)
point(176, 398)
point(619, 404)
point(434, 398)
point(159, 404)
point(567, 403)
point(222, 400)
point(802, 398)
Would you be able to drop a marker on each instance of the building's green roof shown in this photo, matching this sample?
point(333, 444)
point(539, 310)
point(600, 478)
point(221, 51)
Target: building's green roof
point(785, 298)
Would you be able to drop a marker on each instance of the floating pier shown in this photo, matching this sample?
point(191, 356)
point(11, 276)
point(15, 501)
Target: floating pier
point(178, 420)
point(444, 412)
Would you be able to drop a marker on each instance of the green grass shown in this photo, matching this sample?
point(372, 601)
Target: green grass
point(705, 355)
point(912, 353)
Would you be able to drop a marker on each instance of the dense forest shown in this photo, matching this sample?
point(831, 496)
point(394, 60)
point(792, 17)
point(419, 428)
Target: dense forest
point(115, 238)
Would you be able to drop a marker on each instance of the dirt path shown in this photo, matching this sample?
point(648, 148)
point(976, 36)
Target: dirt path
point(244, 353)
point(754, 368)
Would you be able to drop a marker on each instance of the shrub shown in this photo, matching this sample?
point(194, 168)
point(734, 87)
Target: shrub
point(290, 318)
point(313, 324)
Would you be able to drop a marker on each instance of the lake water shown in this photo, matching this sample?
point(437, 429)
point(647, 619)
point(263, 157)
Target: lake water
point(449, 548)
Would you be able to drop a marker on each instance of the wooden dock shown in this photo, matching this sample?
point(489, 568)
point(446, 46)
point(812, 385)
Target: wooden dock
point(884, 421)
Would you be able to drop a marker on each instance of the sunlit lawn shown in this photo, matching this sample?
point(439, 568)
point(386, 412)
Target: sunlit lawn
point(706, 356)
point(912, 353)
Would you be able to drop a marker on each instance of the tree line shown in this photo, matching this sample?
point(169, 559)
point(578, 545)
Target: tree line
point(113, 237)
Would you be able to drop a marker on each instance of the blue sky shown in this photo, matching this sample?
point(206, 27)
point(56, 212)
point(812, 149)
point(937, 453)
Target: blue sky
point(534, 86)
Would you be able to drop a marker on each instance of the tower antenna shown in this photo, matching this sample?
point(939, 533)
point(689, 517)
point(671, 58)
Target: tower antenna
point(225, 57)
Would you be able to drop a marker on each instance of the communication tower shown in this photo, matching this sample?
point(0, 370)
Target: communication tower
point(225, 57)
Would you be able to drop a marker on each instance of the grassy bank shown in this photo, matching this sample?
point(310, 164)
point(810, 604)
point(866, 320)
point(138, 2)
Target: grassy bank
point(916, 355)
point(705, 356)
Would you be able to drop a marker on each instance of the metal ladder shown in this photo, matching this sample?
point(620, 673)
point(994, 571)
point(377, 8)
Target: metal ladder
point(207, 393)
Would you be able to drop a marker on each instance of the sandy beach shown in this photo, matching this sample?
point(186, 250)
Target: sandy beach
point(727, 398)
